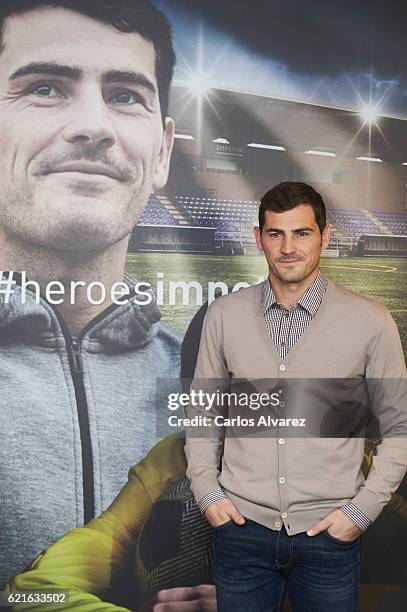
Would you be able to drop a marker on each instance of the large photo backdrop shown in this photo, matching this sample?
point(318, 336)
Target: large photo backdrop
point(93, 194)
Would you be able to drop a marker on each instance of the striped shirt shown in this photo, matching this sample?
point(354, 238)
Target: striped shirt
point(286, 326)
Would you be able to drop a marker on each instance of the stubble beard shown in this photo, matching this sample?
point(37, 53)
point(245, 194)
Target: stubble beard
point(292, 277)
point(39, 225)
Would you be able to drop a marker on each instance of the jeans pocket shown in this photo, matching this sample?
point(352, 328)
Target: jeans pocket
point(341, 542)
point(229, 522)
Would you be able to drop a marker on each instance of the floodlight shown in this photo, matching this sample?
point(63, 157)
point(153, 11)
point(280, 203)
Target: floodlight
point(369, 113)
point(199, 84)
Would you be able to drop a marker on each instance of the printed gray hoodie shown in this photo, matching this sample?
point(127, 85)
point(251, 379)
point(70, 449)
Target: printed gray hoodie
point(75, 414)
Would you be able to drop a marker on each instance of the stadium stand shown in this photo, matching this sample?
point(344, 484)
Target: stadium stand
point(157, 214)
point(355, 222)
point(233, 220)
point(395, 222)
point(212, 212)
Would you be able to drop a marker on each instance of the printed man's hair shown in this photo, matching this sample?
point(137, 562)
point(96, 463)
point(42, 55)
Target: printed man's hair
point(138, 16)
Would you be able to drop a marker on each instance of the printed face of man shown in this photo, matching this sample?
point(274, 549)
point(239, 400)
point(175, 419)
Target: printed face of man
point(81, 135)
point(292, 243)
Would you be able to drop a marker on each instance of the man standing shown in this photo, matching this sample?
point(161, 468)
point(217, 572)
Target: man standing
point(287, 512)
point(85, 138)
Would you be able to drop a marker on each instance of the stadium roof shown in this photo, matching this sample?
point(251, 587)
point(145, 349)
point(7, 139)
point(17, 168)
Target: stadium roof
point(243, 118)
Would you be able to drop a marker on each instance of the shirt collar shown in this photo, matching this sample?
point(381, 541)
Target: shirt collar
point(310, 300)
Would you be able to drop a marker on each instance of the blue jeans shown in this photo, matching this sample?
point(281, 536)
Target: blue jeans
point(255, 566)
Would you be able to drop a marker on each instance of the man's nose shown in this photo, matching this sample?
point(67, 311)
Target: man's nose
point(90, 122)
point(288, 245)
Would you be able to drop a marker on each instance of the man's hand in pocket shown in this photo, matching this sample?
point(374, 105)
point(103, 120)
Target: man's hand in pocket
point(222, 511)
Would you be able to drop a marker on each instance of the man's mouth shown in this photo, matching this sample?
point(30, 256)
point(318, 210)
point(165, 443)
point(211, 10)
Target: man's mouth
point(86, 169)
point(290, 261)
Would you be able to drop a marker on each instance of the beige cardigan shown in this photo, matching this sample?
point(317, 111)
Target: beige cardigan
point(300, 480)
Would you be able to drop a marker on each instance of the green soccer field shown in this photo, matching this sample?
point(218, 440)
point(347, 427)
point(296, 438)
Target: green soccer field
point(382, 279)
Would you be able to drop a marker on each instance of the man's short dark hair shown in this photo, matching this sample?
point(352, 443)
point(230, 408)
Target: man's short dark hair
point(291, 194)
point(139, 16)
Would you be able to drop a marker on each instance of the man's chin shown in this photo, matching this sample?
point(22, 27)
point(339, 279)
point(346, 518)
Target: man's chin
point(91, 200)
point(82, 222)
point(292, 278)
point(292, 275)
point(89, 238)
point(76, 237)
point(289, 270)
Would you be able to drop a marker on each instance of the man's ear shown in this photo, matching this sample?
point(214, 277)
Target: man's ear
point(164, 157)
point(326, 236)
point(257, 235)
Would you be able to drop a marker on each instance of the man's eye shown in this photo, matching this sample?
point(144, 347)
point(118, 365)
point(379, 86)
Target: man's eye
point(125, 97)
point(46, 91)
point(274, 234)
point(302, 234)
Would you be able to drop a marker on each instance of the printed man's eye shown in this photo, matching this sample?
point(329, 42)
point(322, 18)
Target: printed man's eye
point(43, 90)
point(125, 97)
